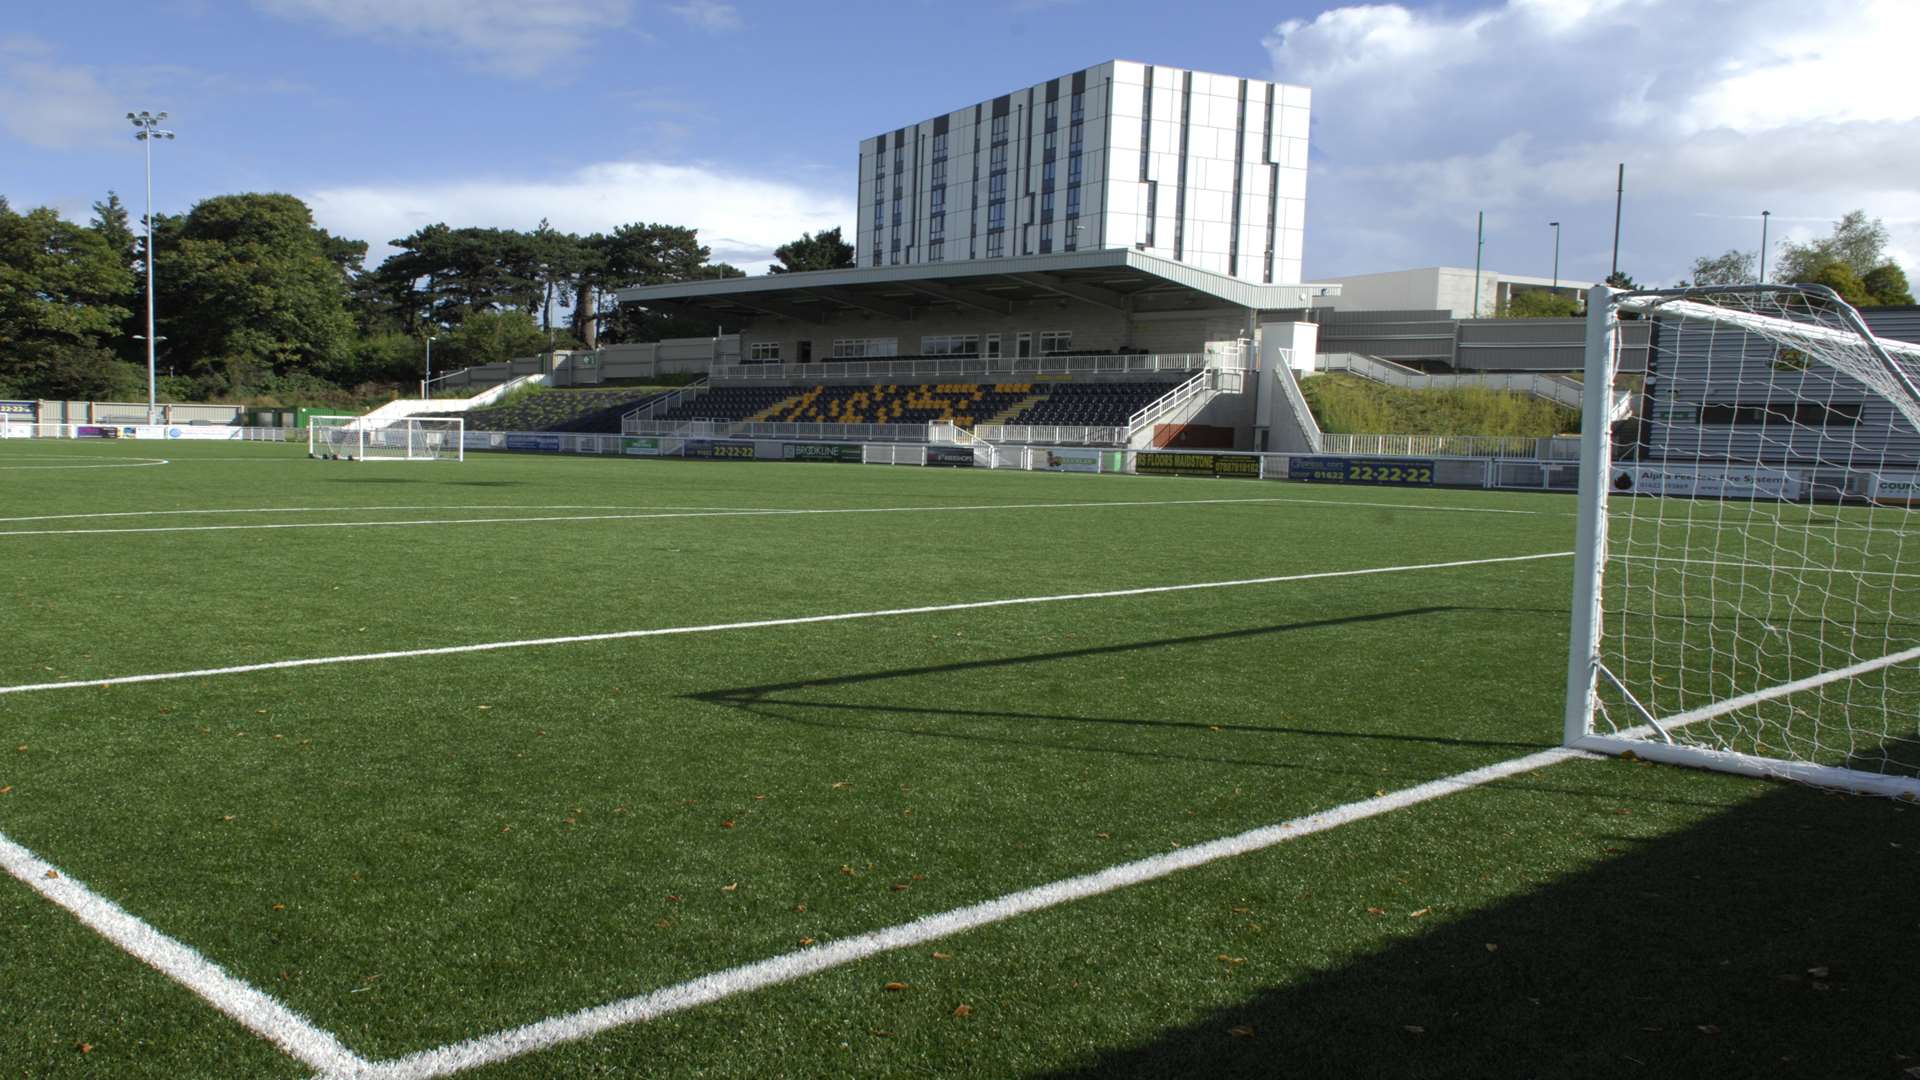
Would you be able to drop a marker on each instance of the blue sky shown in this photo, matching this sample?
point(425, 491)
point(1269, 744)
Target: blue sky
point(743, 118)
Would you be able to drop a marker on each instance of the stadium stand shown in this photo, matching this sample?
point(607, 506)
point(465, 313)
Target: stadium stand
point(964, 404)
point(1093, 404)
point(597, 410)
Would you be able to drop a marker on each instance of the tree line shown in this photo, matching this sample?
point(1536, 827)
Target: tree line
point(256, 303)
point(1851, 260)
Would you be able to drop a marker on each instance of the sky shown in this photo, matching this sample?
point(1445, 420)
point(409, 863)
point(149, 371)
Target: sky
point(743, 118)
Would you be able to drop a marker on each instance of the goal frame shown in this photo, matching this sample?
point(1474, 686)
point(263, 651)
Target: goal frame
point(1652, 740)
point(453, 426)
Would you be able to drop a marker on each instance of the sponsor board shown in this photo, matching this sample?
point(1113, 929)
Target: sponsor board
point(1180, 463)
point(1706, 481)
point(847, 452)
point(959, 456)
point(95, 431)
point(209, 432)
point(478, 440)
point(718, 449)
point(548, 443)
point(1895, 488)
point(1071, 460)
point(640, 446)
point(26, 409)
point(1397, 472)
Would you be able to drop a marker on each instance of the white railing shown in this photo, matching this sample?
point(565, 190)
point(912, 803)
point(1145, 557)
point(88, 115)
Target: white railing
point(1209, 382)
point(1053, 435)
point(1302, 412)
point(654, 408)
point(1523, 447)
point(13, 428)
point(1003, 368)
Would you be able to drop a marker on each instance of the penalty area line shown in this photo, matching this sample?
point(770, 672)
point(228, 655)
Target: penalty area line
point(707, 989)
point(245, 1005)
point(757, 624)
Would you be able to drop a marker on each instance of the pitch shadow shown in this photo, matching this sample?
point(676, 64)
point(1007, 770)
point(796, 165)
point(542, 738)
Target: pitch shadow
point(1776, 939)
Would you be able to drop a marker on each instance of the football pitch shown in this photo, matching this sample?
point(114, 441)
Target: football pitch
point(537, 766)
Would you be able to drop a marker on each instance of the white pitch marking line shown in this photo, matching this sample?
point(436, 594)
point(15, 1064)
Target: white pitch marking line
point(801, 620)
point(544, 1034)
point(253, 1010)
point(136, 464)
point(745, 513)
point(357, 509)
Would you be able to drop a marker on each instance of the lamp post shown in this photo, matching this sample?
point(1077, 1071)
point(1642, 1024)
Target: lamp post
point(1556, 255)
point(1764, 215)
point(149, 125)
point(426, 388)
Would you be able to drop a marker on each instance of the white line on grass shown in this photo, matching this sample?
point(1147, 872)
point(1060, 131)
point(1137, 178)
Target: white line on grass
point(797, 512)
point(755, 624)
point(356, 509)
point(252, 1009)
point(544, 1034)
point(135, 464)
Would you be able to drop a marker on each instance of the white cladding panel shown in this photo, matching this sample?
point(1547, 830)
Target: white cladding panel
point(1237, 207)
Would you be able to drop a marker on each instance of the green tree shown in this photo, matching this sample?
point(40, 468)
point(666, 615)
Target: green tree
point(251, 288)
point(487, 337)
point(1732, 268)
point(813, 251)
point(61, 293)
point(1857, 242)
point(1620, 280)
point(650, 254)
point(1540, 304)
point(1840, 277)
point(1887, 284)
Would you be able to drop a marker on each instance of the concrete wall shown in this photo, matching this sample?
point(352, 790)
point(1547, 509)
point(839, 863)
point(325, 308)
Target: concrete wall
point(1446, 288)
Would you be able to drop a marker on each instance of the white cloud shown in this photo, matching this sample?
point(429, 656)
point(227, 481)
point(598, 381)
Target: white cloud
point(508, 35)
point(55, 105)
point(741, 218)
point(715, 15)
point(1523, 108)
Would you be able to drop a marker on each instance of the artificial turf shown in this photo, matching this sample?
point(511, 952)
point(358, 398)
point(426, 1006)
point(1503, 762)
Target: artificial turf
point(419, 850)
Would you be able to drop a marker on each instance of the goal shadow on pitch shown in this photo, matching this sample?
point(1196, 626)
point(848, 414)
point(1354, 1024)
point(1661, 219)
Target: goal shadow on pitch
point(779, 701)
point(1775, 938)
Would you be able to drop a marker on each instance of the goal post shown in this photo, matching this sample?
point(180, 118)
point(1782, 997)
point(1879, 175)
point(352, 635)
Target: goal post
point(403, 438)
point(1747, 563)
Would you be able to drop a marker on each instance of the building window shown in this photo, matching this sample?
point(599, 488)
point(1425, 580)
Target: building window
point(1055, 341)
point(1076, 139)
point(993, 345)
point(936, 250)
point(1046, 205)
point(999, 129)
point(763, 351)
point(940, 147)
point(996, 244)
point(1072, 238)
point(1073, 169)
point(939, 172)
point(1047, 142)
point(937, 201)
point(1079, 108)
point(1053, 111)
point(864, 348)
point(996, 216)
point(950, 345)
point(937, 227)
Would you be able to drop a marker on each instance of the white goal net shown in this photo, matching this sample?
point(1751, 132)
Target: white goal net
point(404, 438)
point(1747, 591)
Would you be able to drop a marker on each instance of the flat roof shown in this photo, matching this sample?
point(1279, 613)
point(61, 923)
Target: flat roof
point(1119, 278)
